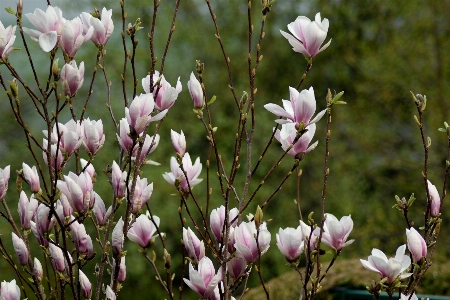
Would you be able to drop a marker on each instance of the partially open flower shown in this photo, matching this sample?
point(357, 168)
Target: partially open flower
point(7, 38)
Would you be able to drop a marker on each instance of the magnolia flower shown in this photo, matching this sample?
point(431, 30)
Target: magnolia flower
point(110, 295)
point(124, 139)
point(308, 36)
point(7, 38)
point(404, 297)
point(117, 236)
point(217, 220)
point(143, 230)
point(142, 193)
point(72, 78)
point(10, 290)
point(298, 110)
point(150, 144)
point(192, 172)
point(194, 247)
point(101, 214)
point(139, 113)
point(72, 36)
point(38, 234)
point(196, 91)
point(118, 179)
point(236, 267)
point(43, 222)
point(290, 242)
point(49, 25)
point(89, 169)
point(103, 27)
point(67, 135)
point(388, 268)
point(245, 241)
point(82, 241)
point(86, 286)
point(37, 269)
point(57, 257)
point(4, 177)
point(27, 210)
point(416, 244)
point(166, 93)
point(336, 232)
point(93, 135)
point(79, 191)
point(178, 142)
point(204, 280)
point(56, 158)
point(435, 200)
point(286, 136)
point(21, 249)
point(306, 231)
point(31, 177)
point(122, 269)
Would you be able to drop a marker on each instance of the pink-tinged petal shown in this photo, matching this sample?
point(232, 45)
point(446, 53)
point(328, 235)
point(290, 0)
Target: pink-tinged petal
point(278, 110)
point(168, 98)
point(159, 116)
point(298, 27)
point(34, 34)
point(380, 254)
point(296, 45)
point(368, 265)
point(324, 46)
point(48, 41)
point(314, 37)
point(318, 116)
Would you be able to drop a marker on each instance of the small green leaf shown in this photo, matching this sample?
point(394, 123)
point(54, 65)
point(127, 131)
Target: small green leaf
point(10, 10)
point(442, 130)
point(213, 99)
point(337, 97)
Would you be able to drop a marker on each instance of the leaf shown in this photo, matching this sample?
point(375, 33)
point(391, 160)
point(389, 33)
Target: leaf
point(213, 99)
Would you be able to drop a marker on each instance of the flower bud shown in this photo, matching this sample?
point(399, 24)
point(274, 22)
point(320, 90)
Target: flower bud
point(117, 238)
point(86, 286)
point(435, 200)
point(31, 177)
point(21, 249)
point(57, 257)
point(416, 244)
point(178, 142)
point(4, 177)
point(195, 248)
point(37, 269)
point(10, 290)
point(72, 78)
point(195, 89)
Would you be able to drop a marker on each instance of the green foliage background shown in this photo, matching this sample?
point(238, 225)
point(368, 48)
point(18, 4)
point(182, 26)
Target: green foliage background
point(380, 51)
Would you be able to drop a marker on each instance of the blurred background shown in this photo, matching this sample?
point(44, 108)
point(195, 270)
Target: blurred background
point(380, 51)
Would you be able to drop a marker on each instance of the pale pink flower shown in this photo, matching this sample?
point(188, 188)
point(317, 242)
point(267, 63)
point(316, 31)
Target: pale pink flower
point(79, 191)
point(93, 135)
point(139, 113)
point(308, 35)
point(217, 220)
point(21, 249)
point(192, 172)
point(110, 295)
point(178, 142)
point(7, 38)
point(150, 145)
point(49, 25)
point(4, 177)
point(103, 27)
point(10, 290)
point(196, 91)
point(194, 247)
point(388, 268)
point(286, 136)
point(31, 177)
point(204, 280)
point(245, 240)
point(86, 286)
point(298, 110)
point(57, 258)
point(89, 169)
point(124, 139)
point(306, 231)
point(435, 200)
point(122, 269)
point(81, 239)
point(290, 242)
point(72, 78)
point(100, 211)
point(118, 179)
point(37, 269)
point(43, 222)
point(27, 210)
point(166, 93)
point(117, 236)
point(416, 244)
point(72, 36)
point(68, 135)
point(142, 193)
point(56, 158)
point(236, 267)
point(336, 232)
point(143, 230)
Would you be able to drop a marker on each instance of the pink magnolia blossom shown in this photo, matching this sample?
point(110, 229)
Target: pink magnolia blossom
point(57, 257)
point(118, 179)
point(142, 193)
point(336, 232)
point(103, 27)
point(72, 36)
point(56, 156)
point(123, 137)
point(79, 191)
point(82, 241)
point(4, 178)
point(290, 242)
point(86, 286)
point(166, 93)
point(72, 78)
point(68, 135)
point(204, 280)
point(31, 177)
point(192, 172)
point(194, 247)
point(49, 25)
point(236, 267)
point(27, 210)
point(416, 244)
point(43, 222)
point(37, 269)
point(196, 91)
point(307, 36)
point(245, 240)
point(117, 236)
point(150, 145)
point(7, 38)
point(122, 269)
point(110, 295)
point(143, 230)
point(21, 249)
point(388, 268)
point(178, 142)
point(10, 290)
point(100, 211)
point(298, 110)
point(217, 220)
point(93, 135)
point(38, 234)
point(435, 200)
point(139, 113)
point(89, 169)
point(286, 136)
